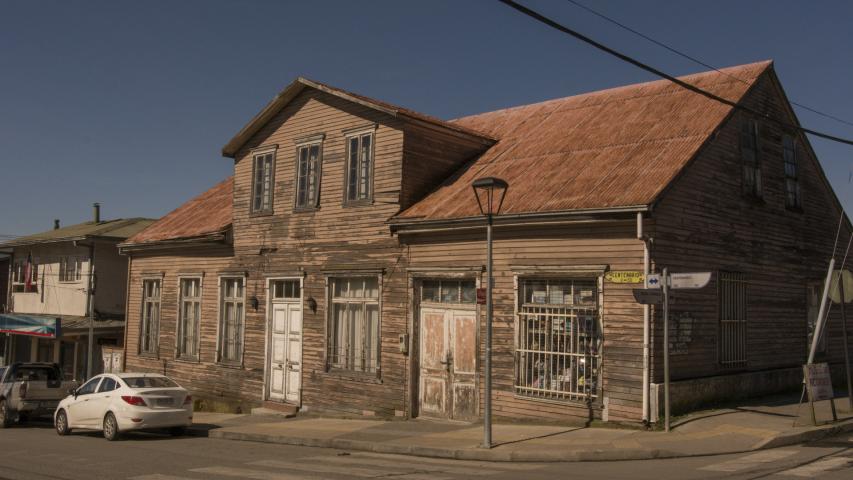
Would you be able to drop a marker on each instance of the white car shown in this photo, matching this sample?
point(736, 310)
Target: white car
point(116, 403)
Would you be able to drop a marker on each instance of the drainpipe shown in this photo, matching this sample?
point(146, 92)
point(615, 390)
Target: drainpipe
point(90, 305)
point(646, 317)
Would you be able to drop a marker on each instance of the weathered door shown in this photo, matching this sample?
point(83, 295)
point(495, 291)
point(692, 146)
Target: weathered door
point(448, 363)
point(285, 359)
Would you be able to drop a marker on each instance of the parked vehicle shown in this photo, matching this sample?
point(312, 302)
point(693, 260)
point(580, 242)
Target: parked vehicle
point(117, 403)
point(30, 390)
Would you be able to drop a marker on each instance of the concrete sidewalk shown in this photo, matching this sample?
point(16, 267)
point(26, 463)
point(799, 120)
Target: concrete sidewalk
point(763, 424)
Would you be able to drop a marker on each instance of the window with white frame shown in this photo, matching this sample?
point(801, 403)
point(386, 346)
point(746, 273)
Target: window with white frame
point(449, 291)
point(231, 318)
point(354, 330)
point(751, 163)
point(558, 351)
point(792, 174)
point(150, 325)
point(262, 182)
point(308, 175)
point(70, 269)
point(189, 317)
point(733, 317)
point(21, 269)
point(359, 167)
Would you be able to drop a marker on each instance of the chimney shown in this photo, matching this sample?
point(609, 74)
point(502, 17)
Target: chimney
point(96, 210)
point(56, 224)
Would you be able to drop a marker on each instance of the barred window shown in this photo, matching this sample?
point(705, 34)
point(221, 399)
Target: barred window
point(354, 332)
point(750, 160)
point(559, 339)
point(732, 339)
point(189, 318)
point(231, 320)
point(150, 325)
point(792, 174)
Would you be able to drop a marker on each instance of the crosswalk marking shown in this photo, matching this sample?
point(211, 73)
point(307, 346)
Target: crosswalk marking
point(749, 461)
point(251, 474)
point(816, 468)
point(319, 467)
point(415, 464)
point(159, 476)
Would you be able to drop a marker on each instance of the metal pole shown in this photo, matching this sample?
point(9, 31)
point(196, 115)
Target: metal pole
point(90, 304)
point(846, 346)
point(487, 415)
point(665, 278)
point(818, 327)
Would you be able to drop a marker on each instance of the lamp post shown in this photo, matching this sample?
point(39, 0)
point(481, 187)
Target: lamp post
point(489, 191)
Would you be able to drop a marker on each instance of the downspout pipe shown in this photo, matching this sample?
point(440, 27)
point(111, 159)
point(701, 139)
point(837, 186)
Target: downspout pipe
point(646, 318)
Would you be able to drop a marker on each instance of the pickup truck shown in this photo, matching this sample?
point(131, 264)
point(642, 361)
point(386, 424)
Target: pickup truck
point(30, 390)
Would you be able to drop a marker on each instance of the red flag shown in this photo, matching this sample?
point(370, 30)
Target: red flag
point(28, 273)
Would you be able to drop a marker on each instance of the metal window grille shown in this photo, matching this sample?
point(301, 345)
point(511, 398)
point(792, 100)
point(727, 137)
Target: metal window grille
point(262, 183)
point(231, 320)
point(559, 340)
point(360, 166)
point(190, 316)
point(733, 319)
point(150, 316)
point(354, 333)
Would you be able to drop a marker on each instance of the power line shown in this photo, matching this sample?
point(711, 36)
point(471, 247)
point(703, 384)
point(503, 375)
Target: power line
point(553, 24)
point(694, 59)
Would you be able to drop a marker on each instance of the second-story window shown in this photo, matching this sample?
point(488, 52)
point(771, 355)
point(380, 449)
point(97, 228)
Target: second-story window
point(262, 182)
point(750, 159)
point(792, 179)
point(359, 167)
point(308, 175)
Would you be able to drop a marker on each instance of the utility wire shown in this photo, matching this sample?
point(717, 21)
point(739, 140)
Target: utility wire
point(694, 59)
point(553, 24)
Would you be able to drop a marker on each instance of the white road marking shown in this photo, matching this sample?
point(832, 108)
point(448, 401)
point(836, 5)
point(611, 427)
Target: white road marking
point(251, 474)
point(414, 464)
point(319, 467)
point(823, 465)
point(749, 461)
point(160, 476)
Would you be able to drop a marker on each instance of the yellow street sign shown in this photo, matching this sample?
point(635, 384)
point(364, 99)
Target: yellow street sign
point(624, 277)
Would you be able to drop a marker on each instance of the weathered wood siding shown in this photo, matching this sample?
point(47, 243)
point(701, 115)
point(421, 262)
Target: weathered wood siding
point(205, 378)
point(612, 244)
point(705, 223)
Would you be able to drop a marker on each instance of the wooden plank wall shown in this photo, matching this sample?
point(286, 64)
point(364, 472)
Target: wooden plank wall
point(705, 223)
point(613, 244)
point(205, 378)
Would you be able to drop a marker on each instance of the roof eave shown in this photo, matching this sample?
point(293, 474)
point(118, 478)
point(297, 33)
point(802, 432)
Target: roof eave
point(209, 240)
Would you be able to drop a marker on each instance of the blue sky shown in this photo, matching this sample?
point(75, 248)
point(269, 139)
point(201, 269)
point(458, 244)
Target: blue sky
point(128, 103)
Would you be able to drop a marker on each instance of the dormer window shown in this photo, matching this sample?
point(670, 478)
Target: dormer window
point(308, 161)
point(359, 187)
point(262, 181)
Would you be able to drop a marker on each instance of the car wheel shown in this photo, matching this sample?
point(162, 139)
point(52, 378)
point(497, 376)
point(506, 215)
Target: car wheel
point(61, 423)
point(5, 421)
point(110, 427)
point(178, 431)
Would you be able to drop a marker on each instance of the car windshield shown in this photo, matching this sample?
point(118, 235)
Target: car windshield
point(149, 382)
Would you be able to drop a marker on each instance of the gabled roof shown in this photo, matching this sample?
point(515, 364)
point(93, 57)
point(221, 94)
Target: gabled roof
point(301, 83)
point(205, 217)
point(613, 148)
point(118, 229)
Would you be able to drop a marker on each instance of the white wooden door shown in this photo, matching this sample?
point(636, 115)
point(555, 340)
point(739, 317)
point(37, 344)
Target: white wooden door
point(448, 363)
point(293, 375)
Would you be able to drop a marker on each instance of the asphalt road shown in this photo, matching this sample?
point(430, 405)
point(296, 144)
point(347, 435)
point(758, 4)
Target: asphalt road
point(36, 452)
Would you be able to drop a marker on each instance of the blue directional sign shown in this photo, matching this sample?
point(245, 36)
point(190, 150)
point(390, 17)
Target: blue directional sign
point(653, 280)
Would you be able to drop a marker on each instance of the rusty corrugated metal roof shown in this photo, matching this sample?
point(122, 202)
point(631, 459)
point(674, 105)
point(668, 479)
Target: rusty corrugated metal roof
point(614, 148)
point(205, 215)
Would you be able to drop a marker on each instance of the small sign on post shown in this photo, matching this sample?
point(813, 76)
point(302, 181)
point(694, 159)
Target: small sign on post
point(648, 296)
point(693, 280)
point(624, 277)
point(818, 381)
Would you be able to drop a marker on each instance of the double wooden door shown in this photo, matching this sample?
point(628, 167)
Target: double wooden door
point(448, 363)
point(285, 359)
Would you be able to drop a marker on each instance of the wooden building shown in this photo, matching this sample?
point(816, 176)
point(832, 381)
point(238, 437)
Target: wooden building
point(348, 278)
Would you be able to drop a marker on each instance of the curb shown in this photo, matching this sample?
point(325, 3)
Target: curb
point(497, 455)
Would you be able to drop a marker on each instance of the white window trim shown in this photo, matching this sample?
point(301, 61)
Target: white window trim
point(181, 278)
point(219, 301)
point(329, 277)
point(156, 351)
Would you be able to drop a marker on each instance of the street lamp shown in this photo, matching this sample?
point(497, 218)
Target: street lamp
point(489, 192)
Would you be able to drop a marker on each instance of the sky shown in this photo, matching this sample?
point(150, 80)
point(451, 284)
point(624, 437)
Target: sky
point(128, 103)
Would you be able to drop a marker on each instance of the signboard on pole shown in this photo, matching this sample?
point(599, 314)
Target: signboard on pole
point(648, 296)
point(624, 277)
point(818, 381)
point(693, 280)
point(839, 276)
point(653, 280)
